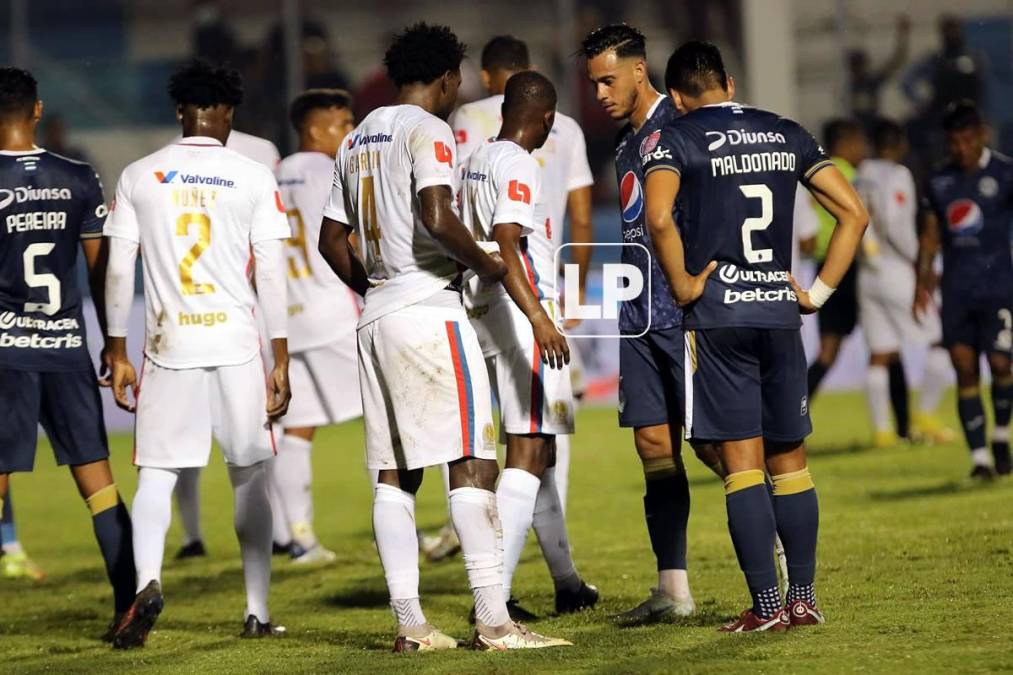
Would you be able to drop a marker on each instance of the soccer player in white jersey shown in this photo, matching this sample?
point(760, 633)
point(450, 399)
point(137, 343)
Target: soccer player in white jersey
point(567, 181)
point(264, 152)
point(203, 215)
point(426, 398)
point(500, 201)
point(322, 314)
point(886, 283)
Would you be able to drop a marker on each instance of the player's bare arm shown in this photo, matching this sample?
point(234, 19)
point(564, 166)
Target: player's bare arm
point(337, 248)
point(96, 257)
point(442, 223)
point(834, 193)
point(119, 295)
point(660, 190)
point(578, 205)
point(551, 343)
point(928, 247)
point(272, 296)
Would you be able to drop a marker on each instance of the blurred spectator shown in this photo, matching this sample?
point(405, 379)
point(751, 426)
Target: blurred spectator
point(375, 89)
point(54, 138)
point(212, 37)
point(865, 82)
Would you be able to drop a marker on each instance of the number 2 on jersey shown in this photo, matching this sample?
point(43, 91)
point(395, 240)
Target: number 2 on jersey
point(203, 223)
point(367, 209)
point(750, 225)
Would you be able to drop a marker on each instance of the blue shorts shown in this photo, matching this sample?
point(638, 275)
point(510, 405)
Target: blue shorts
point(746, 383)
point(68, 406)
point(985, 325)
point(651, 378)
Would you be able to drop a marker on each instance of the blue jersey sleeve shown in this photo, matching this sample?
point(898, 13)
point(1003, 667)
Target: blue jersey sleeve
point(664, 149)
point(811, 156)
point(93, 206)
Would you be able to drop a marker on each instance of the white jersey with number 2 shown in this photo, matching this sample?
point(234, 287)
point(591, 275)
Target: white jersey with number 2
point(393, 154)
point(196, 208)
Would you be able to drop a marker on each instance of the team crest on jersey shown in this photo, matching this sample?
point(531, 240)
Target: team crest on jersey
point(650, 143)
point(964, 217)
point(988, 187)
point(631, 197)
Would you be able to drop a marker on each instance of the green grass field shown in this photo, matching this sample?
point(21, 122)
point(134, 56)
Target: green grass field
point(915, 572)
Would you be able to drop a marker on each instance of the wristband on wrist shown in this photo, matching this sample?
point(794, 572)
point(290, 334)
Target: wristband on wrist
point(820, 293)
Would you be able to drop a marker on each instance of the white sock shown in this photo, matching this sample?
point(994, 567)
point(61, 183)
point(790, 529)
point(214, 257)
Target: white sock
point(999, 435)
point(877, 393)
point(515, 501)
point(475, 517)
point(398, 545)
point(445, 474)
point(151, 514)
point(674, 583)
point(934, 380)
point(253, 528)
point(280, 533)
point(188, 503)
point(550, 528)
point(291, 480)
point(981, 457)
point(562, 468)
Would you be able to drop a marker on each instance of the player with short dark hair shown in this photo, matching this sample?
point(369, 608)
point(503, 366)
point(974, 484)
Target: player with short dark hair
point(505, 53)
point(49, 206)
point(731, 172)
point(203, 214)
point(968, 208)
point(425, 392)
point(651, 352)
point(323, 363)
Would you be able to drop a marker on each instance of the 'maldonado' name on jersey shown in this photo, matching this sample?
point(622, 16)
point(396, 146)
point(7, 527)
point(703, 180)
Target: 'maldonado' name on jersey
point(739, 168)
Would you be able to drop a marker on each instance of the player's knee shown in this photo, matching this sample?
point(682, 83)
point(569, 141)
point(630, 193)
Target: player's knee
point(653, 442)
point(532, 453)
point(709, 454)
point(473, 472)
point(882, 359)
point(999, 365)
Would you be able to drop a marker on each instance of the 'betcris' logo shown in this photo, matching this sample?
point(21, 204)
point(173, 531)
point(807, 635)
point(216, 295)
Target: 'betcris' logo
point(964, 217)
point(193, 179)
point(631, 197)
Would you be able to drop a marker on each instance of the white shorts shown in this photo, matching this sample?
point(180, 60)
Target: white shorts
point(884, 306)
point(178, 412)
point(425, 392)
point(533, 398)
point(325, 385)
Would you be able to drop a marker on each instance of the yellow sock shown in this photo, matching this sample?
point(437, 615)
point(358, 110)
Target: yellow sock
point(740, 480)
point(103, 500)
point(792, 483)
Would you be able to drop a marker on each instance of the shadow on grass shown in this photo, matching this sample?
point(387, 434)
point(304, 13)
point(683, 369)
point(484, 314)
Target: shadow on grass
point(360, 597)
point(947, 488)
point(822, 450)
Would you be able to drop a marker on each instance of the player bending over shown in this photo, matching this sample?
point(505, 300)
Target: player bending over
point(322, 313)
point(745, 366)
point(651, 354)
point(968, 210)
point(202, 214)
point(503, 201)
point(425, 394)
point(886, 283)
point(51, 205)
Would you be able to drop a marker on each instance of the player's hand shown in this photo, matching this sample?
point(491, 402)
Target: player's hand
point(805, 305)
point(551, 343)
point(123, 376)
point(692, 288)
point(105, 378)
point(922, 301)
point(278, 393)
point(493, 272)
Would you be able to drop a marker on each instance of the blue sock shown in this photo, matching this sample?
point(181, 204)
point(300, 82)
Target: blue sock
point(113, 530)
point(752, 526)
point(798, 518)
point(666, 509)
point(8, 531)
point(972, 420)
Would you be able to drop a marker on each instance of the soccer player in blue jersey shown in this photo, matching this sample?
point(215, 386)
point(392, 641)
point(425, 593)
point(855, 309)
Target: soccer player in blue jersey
point(968, 210)
point(731, 171)
point(651, 353)
point(49, 205)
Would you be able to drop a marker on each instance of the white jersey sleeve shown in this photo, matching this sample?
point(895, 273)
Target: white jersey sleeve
point(899, 212)
point(518, 187)
point(334, 209)
point(122, 220)
point(432, 149)
point(579, 169)
point(472, 125)
point(269, 219)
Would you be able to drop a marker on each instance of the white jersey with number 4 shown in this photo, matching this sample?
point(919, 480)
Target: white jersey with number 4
point(563, 160)
point(321, 308)
point(393, 154)
point(196, 208)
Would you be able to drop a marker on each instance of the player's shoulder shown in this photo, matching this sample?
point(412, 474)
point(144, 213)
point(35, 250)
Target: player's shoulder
point(72, 168)
point(565, 124)
point(299, 162)
point(1003, 162)
point(253, 147)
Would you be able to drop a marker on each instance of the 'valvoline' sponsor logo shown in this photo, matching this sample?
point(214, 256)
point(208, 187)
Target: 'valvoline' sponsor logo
point(631, 197)
point(193, 179)
point(365, 139)
point(964, 217)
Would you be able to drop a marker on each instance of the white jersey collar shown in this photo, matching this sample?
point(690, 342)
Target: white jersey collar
point(20, 153)
point(199, 141)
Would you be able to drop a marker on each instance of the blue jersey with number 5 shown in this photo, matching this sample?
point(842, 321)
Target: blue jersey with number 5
point(739, 168)
point(48, 203)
